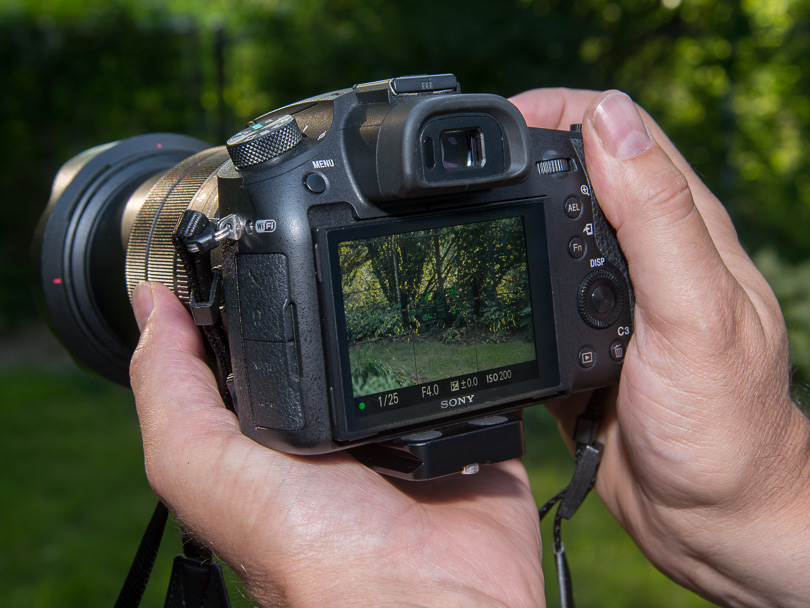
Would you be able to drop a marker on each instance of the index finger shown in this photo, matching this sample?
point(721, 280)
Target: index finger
point(559, 108)
point(553, 108)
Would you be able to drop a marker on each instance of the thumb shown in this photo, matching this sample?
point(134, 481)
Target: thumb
point(674, 264)
point(176, 393)
point(170, 346)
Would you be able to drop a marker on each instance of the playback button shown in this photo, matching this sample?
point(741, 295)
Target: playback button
point(587, 357)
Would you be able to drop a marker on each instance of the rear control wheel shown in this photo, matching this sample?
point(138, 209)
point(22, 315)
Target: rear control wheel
point(601, 299)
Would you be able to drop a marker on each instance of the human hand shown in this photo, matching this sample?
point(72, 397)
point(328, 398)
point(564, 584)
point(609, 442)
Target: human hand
point(321, 530)
point(706, 457)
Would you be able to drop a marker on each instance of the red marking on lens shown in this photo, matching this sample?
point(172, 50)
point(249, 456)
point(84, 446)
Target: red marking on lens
point(57, 281)
point(160, 146)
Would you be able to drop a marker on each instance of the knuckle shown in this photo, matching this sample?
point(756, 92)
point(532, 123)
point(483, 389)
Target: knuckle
point(746, 344)
point(668, 195)
point(136, 364)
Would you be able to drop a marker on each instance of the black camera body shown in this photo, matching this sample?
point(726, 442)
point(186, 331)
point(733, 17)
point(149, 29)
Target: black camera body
point(402, 169)
point(413, 266)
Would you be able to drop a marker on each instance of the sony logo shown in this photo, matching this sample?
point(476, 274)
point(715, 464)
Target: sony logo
point(457, 401)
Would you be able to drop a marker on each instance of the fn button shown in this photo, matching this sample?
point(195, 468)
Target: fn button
point(576, 248)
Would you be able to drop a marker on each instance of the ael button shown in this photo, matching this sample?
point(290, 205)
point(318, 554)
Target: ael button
point(600, 300)
point(573, 207)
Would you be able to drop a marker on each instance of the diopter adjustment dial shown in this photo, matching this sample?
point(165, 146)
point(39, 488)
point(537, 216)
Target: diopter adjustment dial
point(600, 300)
point(263, 141)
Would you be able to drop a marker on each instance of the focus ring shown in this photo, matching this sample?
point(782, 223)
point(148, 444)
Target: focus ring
point(150, 253)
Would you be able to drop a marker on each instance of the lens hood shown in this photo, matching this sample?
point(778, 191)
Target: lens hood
point(78, 256)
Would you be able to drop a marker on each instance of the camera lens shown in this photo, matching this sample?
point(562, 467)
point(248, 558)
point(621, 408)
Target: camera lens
point(107, 227)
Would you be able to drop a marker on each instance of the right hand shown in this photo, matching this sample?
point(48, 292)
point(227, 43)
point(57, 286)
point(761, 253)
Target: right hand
point(706, 460)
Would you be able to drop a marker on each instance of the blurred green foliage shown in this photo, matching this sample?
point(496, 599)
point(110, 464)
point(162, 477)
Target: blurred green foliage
point(725, 78)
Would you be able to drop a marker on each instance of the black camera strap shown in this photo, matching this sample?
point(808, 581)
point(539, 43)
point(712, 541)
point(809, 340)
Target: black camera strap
point(205, 290)
point(135, 583)
point(588, 456)
point(196, 579)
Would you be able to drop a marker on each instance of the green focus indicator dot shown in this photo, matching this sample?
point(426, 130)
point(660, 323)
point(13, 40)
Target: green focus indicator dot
point(362, 405)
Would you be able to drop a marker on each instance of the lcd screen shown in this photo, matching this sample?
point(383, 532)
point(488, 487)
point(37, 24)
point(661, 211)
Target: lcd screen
point(435, 317)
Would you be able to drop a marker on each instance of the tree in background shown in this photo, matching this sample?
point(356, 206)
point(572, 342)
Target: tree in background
point(724, 78)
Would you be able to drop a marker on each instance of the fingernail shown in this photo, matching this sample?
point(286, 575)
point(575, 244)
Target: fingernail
point(620, 127)
point(142, 304)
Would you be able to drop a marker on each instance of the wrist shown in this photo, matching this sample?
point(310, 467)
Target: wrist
point(751, 550)
point(355, 594)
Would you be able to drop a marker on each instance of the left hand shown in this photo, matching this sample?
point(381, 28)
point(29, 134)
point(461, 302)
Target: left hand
point(317, 530)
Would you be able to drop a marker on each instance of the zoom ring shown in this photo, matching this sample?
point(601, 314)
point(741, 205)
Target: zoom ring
point(262, 142)
point(191, 184)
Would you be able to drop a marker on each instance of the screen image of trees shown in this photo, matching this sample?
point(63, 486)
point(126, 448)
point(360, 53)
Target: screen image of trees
point(433, 304)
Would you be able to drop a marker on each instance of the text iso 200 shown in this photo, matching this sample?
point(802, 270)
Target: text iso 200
point(504, 374)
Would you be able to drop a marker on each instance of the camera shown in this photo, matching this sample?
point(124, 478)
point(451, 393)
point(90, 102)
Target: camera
point(397, 269)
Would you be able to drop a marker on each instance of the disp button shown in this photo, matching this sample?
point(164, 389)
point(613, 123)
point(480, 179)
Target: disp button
point(600, 300)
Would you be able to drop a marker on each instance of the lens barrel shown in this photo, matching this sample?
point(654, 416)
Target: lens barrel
point(190, 184)
point(98, 200)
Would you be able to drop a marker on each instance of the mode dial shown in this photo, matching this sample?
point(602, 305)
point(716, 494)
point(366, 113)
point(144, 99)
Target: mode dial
point(263, 141)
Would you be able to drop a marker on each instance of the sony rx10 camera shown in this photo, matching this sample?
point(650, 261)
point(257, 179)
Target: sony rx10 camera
point(395, 269)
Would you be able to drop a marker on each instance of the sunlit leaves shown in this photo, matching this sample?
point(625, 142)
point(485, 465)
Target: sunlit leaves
point(726, 79)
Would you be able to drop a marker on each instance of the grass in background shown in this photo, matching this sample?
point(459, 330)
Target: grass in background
point(426, 360)
point(76, 503)
point(76, 500)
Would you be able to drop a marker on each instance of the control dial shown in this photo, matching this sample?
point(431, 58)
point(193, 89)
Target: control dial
point(600, 300)
point(263, 141)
